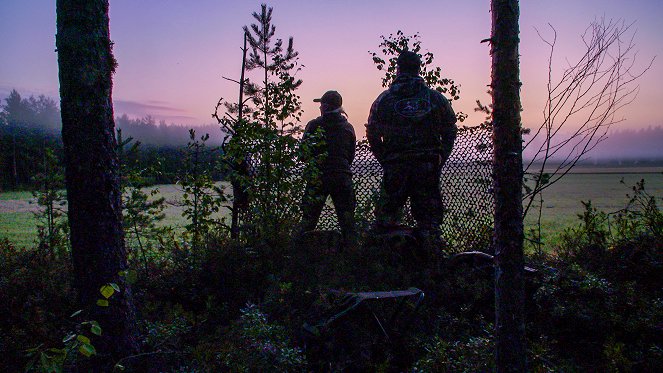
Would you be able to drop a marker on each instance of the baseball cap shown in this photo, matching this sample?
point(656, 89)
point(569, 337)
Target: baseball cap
point(409, 61)
point(332, 98)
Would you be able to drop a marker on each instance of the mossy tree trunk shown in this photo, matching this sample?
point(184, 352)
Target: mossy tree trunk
point(507, 182)
point(86, 65)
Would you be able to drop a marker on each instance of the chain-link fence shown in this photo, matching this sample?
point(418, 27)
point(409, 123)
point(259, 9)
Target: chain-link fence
point(465, 183)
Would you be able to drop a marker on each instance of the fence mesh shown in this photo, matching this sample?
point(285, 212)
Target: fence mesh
point(465, 181)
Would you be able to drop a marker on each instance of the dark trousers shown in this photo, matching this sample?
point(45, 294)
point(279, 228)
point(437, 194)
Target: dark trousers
point(339, 186)
point(418, 180)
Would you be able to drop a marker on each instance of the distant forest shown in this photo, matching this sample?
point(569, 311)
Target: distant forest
point(148, 132)
point(30, 125)
point(41, 114)
point(623, 144)
point(620, 147)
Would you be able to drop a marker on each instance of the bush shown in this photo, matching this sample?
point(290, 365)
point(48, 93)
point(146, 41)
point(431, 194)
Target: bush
point(600, 297)
point(596, 303)
point(475, 354)
point(258, 345)
point(37, 298)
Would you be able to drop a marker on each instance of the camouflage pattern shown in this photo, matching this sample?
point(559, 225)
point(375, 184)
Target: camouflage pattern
point(338, 141)
point(421, 182)
point(410, 121)
point(337, 145)
point(411, 130)
point(338, 185)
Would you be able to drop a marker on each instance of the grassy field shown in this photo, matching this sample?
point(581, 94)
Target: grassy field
point(561, 201)
point(18, 224)
point(12, 196)
point(560, 207)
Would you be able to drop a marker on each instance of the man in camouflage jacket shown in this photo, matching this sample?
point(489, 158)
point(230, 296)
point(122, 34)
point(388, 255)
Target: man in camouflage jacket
point(332, 141)
point(411, 130)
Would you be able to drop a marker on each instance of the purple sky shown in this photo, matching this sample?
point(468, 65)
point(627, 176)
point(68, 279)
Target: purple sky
point(172, 53)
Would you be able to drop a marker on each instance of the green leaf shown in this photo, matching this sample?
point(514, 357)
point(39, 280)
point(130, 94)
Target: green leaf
point(76, 313)
point(107, 291)
point(114, 286)
point(83, 339)
point(95, 329)
point(102, 302)
point(132, 276)
point(120, 367)
point(87, 350)
point(43, 360)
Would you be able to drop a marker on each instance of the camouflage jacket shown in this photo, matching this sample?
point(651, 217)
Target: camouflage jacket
point(411, 121)
point(336, 142)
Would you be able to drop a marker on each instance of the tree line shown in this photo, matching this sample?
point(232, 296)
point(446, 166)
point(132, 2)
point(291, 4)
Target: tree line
point(31, 125)
point(623, 145)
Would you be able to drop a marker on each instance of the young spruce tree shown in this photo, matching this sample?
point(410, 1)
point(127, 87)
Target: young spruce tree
point(265, 140)
point(51, 198)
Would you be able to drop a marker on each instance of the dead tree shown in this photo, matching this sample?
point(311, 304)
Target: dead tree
point(237, 163)
point(86, 65)
point(507, 182)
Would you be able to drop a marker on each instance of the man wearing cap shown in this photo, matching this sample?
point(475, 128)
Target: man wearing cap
point(332, 141)
point(411, 130)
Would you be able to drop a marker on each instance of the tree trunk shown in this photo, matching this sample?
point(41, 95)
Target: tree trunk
point(14, 168)
point(507, 181)
point(86, 65)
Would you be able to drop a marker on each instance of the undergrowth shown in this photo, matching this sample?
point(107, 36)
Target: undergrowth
point(594, 303)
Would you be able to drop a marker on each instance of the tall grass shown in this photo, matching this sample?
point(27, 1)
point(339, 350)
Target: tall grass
point(561, 205)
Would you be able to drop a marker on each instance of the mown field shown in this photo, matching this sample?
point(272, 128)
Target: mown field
point(18, 223)
point(560, 207)
point(561, 201)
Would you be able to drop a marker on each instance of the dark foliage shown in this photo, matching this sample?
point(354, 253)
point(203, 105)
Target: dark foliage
point(21, 152)
point(599, 298)
point(158, 164)
point(593, 304)
point(248, 305)
point(37, 298)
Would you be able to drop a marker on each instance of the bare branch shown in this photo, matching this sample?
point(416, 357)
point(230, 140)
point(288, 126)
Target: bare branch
point(232, 80)
point(585, 99)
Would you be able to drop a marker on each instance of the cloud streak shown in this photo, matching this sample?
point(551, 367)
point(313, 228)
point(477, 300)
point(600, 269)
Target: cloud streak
point(145, 107)
point(160, 110)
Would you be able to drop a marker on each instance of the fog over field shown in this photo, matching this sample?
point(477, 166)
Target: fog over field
point(619, 144)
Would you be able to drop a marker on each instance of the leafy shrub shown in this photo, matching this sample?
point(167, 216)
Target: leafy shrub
point(475, 354)
point(37, 299)
point(141, 210)
point(201, 197)
point(52, 226)
point(260, 345)
point(599, 299)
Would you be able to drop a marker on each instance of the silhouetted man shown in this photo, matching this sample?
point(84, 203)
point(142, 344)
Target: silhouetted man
point(332, 140)
point(411, 130)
